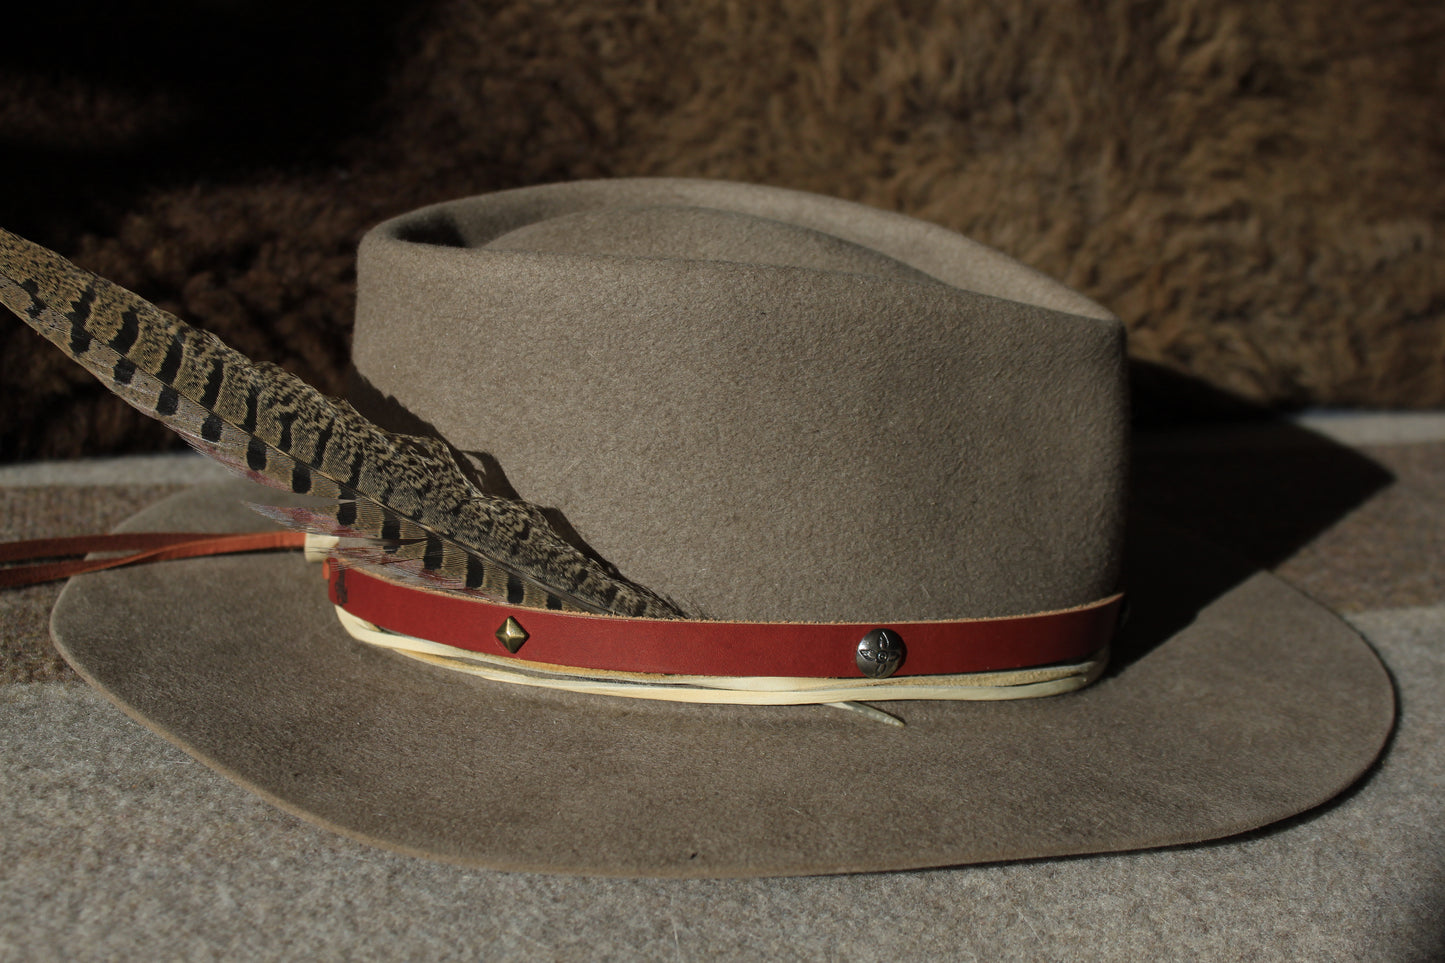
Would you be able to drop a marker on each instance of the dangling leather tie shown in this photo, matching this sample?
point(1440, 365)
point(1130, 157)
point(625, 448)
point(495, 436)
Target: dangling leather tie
point(142, 547)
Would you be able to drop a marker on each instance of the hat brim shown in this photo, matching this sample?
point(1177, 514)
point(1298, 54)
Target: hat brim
point(1237, 702)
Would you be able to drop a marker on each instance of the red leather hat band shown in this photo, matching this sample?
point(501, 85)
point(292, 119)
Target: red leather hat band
point(654, 646)
point(718, 648)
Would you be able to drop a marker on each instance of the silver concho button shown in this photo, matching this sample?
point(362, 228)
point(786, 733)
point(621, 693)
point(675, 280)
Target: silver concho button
point(880, 653)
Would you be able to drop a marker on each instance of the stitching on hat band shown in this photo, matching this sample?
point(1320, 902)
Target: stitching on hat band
point(622, 649)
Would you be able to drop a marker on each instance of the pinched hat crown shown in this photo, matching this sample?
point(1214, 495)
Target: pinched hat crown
point(767, 405)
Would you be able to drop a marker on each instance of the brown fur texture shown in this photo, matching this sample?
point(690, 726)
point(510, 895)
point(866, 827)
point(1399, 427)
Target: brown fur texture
point(1256, 189)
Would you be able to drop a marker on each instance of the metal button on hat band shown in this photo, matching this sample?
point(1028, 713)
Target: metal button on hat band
point(880, 653)
point(511, 635)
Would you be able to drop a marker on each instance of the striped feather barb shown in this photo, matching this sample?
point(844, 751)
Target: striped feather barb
point(396, 500)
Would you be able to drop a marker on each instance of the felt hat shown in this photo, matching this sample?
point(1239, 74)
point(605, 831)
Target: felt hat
point(769, 406)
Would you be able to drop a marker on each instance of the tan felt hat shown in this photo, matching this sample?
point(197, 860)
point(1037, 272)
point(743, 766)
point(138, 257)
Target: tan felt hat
point(767, 406)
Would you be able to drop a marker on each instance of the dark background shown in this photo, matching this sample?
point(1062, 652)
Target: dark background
point(1256, 189)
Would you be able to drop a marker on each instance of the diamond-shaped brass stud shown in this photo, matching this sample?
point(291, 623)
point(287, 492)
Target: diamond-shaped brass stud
point(512, 635)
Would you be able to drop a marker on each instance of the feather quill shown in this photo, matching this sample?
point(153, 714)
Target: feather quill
point(396, 500)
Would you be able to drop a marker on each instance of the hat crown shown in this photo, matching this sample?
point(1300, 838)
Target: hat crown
point(768, 405)
point(700, 234)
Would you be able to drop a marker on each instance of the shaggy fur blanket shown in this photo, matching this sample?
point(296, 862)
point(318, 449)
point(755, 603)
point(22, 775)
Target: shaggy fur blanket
point(1255, 188)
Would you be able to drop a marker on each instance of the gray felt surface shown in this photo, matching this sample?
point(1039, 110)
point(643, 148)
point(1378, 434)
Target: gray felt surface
point(117, 845)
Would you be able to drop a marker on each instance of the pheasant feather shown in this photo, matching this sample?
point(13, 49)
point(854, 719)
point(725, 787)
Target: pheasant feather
point(398, 500)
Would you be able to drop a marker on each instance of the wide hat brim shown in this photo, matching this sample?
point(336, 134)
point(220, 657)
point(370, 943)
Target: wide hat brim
point(1235, 701)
